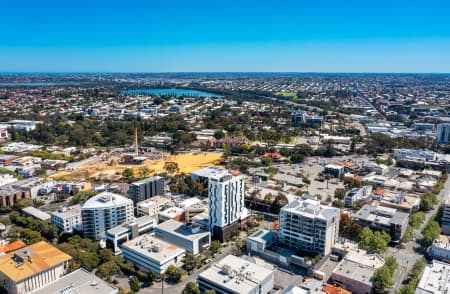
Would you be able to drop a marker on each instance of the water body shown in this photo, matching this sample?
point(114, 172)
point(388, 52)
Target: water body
point(171, 92)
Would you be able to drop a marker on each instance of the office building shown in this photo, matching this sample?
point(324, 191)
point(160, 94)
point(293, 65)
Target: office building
point(443, 133)
point(446, 217)
point(440, 249)
point(334, 170)
point(192, 238)
point(226, 203)
point(355, 271)
point(423, 126)
point(78, 282)
point(357, 194)
point(390, 220)
point(308, 226)
point(261, 240)
point(129, 231)
point(414, 155)
point(435, 279)
point(10, 196)
point(103, 212)
point(235, 275)
point(68, 219)
point(145, 189)
point(33, 267)
point(150, 253)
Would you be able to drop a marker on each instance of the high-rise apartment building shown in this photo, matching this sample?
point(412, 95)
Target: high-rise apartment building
point(446, 217)
point(443, 133)
point(309, 226)
point(145, 189)
point(103, 212)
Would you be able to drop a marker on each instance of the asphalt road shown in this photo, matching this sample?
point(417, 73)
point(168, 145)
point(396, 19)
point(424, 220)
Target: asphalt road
point(413, 249)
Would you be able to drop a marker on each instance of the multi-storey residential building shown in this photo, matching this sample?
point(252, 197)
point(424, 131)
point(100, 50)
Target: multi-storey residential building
point(226, 203)
point(390, 220)
point(152, 206)
point(31, 268)
point(446, 217)
point(146, 189)
point(103, 212)
point(443, 133)
point(309, 226)
point(68, 219)
point(440, 249)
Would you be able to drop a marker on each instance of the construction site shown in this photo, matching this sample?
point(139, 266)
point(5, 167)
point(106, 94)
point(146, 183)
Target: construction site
point(110, 165)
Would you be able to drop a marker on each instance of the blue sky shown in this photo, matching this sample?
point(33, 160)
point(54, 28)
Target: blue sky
point(213, 35)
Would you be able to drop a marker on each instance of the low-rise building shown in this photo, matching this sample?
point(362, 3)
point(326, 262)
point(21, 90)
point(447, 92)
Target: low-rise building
point(68, 219)
point(357, 194)
point(152, 206)
point(236, 275)
point(129, 231)
point(150, 253)
point(355, 271)
point(36, 213)
point(435, 279)
point(175, 213)
point(378, 217)
point(79, 281)
point(32, 267)
point(440, 249)
point(192, 238)
point(260, 240)
point(334, 169)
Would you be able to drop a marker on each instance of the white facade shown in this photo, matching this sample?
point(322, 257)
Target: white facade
point(68, 219)
point(226, 198)
point(443, 133)
point(440, 249)
point(103, 212)
point(435, 279)
point(236, 275)
point(150, 253)
point(414, 154)
point(309, 226)
point(152, 206)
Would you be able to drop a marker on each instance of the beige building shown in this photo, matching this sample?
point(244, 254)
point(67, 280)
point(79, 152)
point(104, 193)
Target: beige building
point(32, 267)
point(152, 206)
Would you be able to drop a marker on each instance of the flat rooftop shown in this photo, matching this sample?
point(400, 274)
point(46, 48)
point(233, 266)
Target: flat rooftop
point(237, 274)
point(311, 208)
point(67, 212)
point(77, 282)
point(435, 279)
point(37, 213)
point(125, 227)
point(153, 248)
point(181, 230)
point(42, 255)
point(106, 199)
point(152, 201)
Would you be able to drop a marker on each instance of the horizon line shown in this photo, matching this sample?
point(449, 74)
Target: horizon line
point(218, 72)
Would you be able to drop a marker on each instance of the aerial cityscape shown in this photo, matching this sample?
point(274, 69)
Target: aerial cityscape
point(247, 153)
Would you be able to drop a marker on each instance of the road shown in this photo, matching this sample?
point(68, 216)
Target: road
point(178, 288)
point(413, 249)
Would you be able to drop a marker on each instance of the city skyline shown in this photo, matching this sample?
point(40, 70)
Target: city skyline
point(293, 36)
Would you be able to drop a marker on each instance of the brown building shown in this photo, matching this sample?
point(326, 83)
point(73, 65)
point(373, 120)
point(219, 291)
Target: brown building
point(9, 196)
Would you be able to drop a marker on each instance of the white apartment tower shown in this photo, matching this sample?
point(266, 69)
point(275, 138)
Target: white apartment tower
point(226, 203)
point(309, 226)
point(105, 211)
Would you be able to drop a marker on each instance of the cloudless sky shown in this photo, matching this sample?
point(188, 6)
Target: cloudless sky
point(226, 35)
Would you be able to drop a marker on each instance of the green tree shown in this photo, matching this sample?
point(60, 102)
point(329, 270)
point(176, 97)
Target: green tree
point(266, 161)
point(427, 201)
point(215, 246)
point(128, 173)
point(174, 273)
point(171, 167)
point(144, 172)
point(210, 291)
point(189, 262)
point(135, 284)
point(431, 231)
point(382, 278)
point(416, 219)
point(191, 288)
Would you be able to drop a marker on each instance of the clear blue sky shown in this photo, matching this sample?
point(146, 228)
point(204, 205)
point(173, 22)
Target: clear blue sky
point(225, 35)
